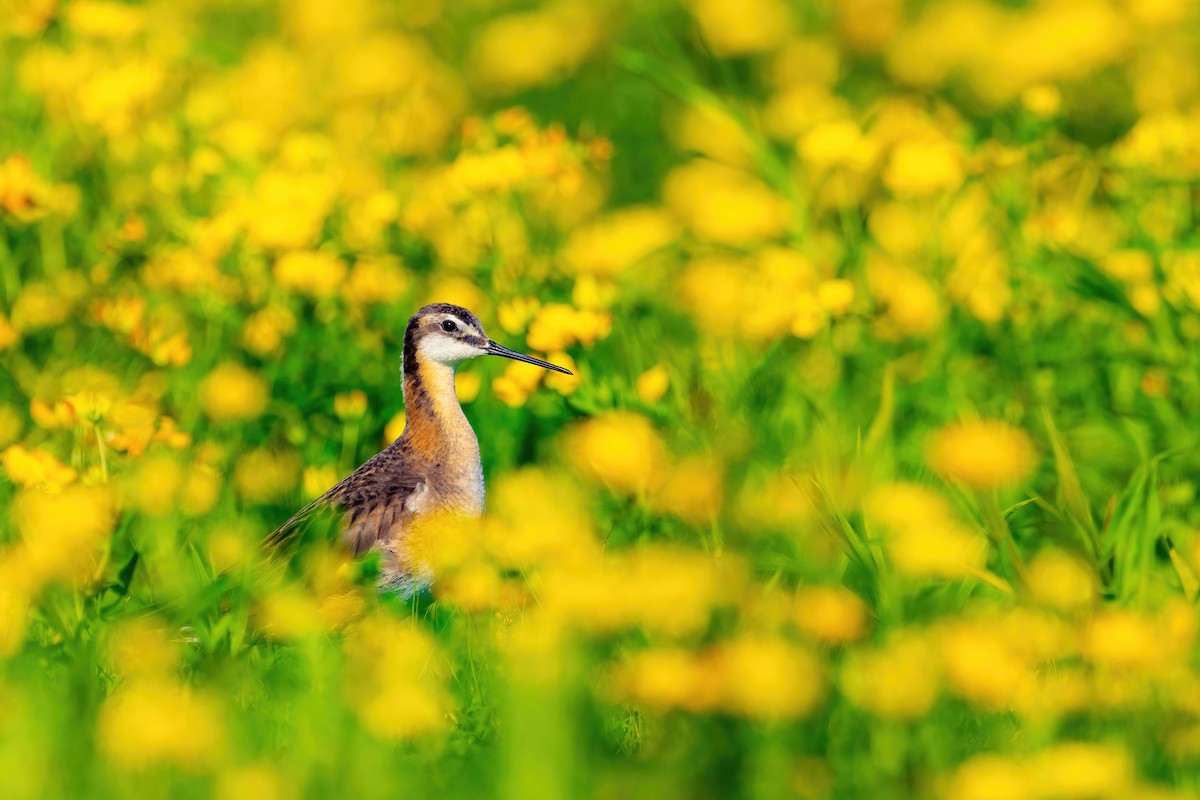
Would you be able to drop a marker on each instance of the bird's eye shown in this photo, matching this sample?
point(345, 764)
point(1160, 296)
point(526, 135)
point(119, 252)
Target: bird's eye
point(449, 327)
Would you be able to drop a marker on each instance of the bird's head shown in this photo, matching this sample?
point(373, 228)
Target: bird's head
point(446, 334)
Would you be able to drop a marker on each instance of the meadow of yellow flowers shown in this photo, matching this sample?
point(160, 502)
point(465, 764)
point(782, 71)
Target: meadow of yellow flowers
point(877, 475)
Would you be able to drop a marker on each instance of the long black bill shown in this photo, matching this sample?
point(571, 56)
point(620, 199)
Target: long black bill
point(494, 349)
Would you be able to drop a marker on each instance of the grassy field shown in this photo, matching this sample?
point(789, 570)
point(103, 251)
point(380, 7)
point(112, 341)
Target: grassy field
point(877, 477)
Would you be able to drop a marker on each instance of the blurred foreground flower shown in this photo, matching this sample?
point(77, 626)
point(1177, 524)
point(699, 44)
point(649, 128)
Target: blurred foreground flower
point(984, 454)
point(156, 721)
point(231, 393)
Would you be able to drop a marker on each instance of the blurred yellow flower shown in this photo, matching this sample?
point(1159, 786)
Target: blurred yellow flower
point(264, 330)
point(983, 454)
point(769, 679)
point(35, 468)
point(394, 427)
point(652, 384)
point(259, 782)
point(724, 205)
point(1079, 769)
point(517, 383)
point(11, 425)
point(563, 384)
point(923, 538)
point(981, 666)
point(350, 405)
point(620, 449)
point(1123, 639)
point(900, 679)
point(317, 480)
point(315, 273)
point(104, 19)
point(262, 475)
point(154, 721)
point(9, 335)
point(375, 280)
point(153, 488)
point(63, 534)
point(923, 168)
point(1061, 580)
point(395, 678)
point(232, 393)
point(668, 678)
point(836, 296)
point(989, 777)
point(737, 27)
point(141, 648)
point(614, 243)
point(912, 305)
point(691, 490)
point(527, 49)
point(832, 615)
point(558, 326)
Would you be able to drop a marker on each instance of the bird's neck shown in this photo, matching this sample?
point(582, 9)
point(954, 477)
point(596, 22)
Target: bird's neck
point(433, 417)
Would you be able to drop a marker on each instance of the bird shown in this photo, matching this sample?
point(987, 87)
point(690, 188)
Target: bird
point(433, 467)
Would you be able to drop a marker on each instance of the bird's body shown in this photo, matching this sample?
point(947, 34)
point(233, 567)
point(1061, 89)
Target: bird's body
point(434, 467)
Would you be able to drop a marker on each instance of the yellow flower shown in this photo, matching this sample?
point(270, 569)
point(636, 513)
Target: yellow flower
point(395, 427)
point(1123, 639)
point(201, 488)
point(991, 777)
point(924, 168)
point(156, 721)
point(154, 486)
point(467, 385)
point(668, 678)
point(981, 666)
point(620, 449)
point(395, 678)
point(1079, 769)
point(769, 679)
point(563, 384)
point(652, 384)
point(252, 783)
point(836, 296)
point(318, 480)
point(912, 304)
point(983, 454)
point(350, 405)
point(142, 647)
point(736, 27)
point(526, 49)
point(314, 272)
point(231, 393)
point(36, 468)
point(725, 205)
point(923, 538)
point(11, 425)
point(517, 383)
point(558, 326)
point(286, 210)
point(838, 143)
point(265, 330)
point(830, 614)
point(1061, 580)
point(9, 335)
point(63, 534)
point(900, 680)
point(375, 280)
point(262, 475)
point(691, 490)
point(618, 241)
point(104, 19)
